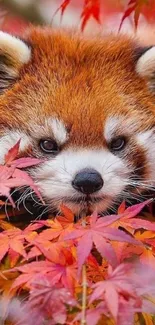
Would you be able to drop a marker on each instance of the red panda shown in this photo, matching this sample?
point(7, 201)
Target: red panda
point(87, 107)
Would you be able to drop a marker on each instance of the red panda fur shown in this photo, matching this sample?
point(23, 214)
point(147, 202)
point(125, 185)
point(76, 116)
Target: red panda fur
point(82, 82)
point(106, 83)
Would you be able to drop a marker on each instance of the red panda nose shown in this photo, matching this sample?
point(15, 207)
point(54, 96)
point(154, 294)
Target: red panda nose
point(87, 181)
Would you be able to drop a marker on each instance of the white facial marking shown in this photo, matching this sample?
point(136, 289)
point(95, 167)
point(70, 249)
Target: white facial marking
point(110, 127)
point(143, 137)
point(146, 63)
point(147, 140)
point(120, 125)
point(8, 140)
point(59, 130)
point(55, 176)
point(15, 47)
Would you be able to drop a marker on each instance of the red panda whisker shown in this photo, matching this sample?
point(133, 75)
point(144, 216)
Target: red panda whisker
point(143, 183)
point(46, 210)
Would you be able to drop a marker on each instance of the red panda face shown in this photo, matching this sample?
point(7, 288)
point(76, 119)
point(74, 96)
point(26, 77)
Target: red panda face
point(86, 108)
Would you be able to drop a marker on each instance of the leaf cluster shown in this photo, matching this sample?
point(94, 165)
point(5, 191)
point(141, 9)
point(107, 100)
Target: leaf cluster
point(99, 270)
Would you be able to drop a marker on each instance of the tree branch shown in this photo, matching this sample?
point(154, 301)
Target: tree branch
point(84, 295)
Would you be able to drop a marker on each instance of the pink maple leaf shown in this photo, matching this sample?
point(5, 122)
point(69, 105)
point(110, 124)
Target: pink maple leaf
point(48, 299)
point(63, 271)
point(128, 221)
point(99, 233)
point(11, 176)
point(124, 292)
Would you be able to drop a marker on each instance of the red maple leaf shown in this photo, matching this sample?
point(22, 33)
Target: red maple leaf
point(99, 233)
point(11, 176)
point(62, 7)
point(133, 6)
point(91, 8)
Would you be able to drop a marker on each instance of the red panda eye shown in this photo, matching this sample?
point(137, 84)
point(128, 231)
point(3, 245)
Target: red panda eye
point(48, 146)
point(118, 144)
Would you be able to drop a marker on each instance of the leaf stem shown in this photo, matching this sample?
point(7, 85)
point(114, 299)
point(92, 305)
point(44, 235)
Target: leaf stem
point(84, 295)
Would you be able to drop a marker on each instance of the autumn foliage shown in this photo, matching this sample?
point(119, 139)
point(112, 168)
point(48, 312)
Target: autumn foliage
point(99, 270)
point(88, 10)
point(94, 9)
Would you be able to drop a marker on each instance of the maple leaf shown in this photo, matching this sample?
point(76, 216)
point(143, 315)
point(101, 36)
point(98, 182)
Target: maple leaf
point(58, 227)
point(99, 233)
point(55, 230)
point(35, 251)
point(49, 300)
point(64, 266)
point(91, 8)
point(11, 176)
point(130, 8)
point(133, 6)
point(46, 302)
point(93, 315)
point(63, 271)
point(125, 251)
point(128, 290)
point(67, 218)
point(147, 253)
point(128, 222)
point(117, 283)
point(5, 225)
point(47, 239)
point(146, 237)
point(63, 7)
point(25, 162)
point(12, 241)
point(13, 256)
point(29, 272)
point(5, 186)
point(20, 162)
point(12, 153)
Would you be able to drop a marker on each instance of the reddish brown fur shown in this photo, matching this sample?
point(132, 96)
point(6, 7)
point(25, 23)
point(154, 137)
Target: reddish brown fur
point(81, 81)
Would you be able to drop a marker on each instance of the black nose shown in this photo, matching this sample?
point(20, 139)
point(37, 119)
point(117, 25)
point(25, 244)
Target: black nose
point(87, 181)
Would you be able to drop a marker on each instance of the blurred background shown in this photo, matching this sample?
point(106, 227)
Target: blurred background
point(97, 15)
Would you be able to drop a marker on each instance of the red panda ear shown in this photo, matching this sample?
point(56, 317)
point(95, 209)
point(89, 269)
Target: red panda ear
point(145, 65)
point(14, 53)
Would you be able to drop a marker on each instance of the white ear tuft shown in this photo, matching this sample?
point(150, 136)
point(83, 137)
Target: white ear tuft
point(15, 48)
point(146, 63)
point(14, 53)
